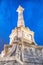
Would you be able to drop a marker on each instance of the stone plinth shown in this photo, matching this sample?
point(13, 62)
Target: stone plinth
point(31, 55)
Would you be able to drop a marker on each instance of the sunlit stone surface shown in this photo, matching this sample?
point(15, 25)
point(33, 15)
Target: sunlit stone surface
point(22, 49)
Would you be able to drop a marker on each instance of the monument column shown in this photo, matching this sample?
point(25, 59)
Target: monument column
point(20, 17)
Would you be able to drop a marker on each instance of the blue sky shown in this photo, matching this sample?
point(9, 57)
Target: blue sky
point(33, 17)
